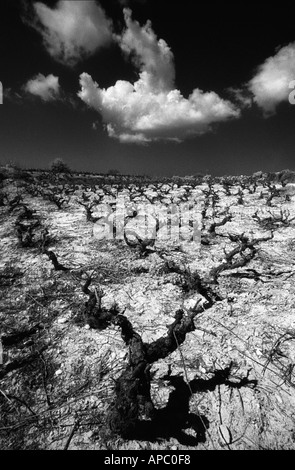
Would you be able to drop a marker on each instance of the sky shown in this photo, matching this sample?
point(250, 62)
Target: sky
point(148, 86)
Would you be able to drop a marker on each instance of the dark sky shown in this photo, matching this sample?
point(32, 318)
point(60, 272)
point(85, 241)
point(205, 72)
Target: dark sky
point(216, 45)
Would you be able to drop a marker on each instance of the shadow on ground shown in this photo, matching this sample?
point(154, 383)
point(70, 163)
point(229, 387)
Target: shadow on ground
point(175, 419)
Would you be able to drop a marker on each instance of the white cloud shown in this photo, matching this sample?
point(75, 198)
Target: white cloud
point(152, 109)
point(270, 86)
point(47, 88)
point(147, 53)
point(73, 29)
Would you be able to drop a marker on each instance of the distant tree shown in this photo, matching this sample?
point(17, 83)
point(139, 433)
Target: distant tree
point(58, 166)
point(12, 165)
point(257, 174)
point(199, 175)
point(12, 170)
point(188, 178)
point(286, 176)
point(207, 178)
point(145, 176)
point(113, 172)
point(176, 179)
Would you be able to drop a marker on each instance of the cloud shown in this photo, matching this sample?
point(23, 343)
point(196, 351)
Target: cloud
point(152, 109)
point(270, 85)
point(73, 29)
point(47, 88)
point(242, 96)
point(147, 53)
point(12, 95)
point(136, 113)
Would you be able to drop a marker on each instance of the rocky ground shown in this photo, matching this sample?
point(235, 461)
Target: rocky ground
point(228, 385)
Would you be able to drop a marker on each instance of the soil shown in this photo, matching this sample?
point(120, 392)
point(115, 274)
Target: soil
point(229, 385)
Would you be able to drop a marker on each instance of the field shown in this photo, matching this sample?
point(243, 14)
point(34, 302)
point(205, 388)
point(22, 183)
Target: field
point(146, 339)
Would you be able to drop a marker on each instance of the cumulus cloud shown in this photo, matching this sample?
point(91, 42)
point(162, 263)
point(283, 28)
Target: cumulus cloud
point(270, 85)
point(148, 53)
point(73, 29)
point(152, 109)
point(47, 88)
point(136, 113)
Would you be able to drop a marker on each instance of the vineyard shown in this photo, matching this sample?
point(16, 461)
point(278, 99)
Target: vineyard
point(147, 339)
